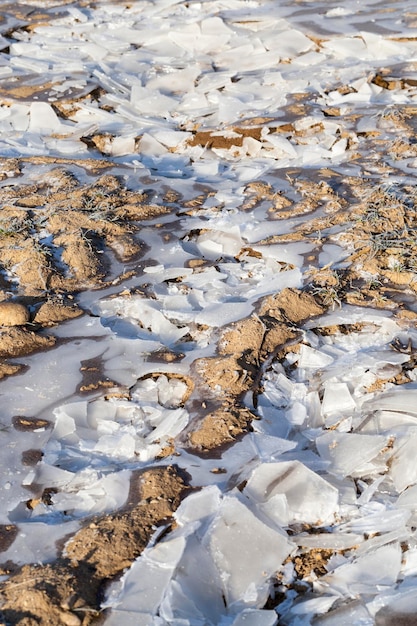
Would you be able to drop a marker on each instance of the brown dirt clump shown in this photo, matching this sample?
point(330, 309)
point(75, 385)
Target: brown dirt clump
point(224, 376)
point(8, 533)
point(291, 305)
point(53, 312)
point(13, 314)
point(18, 341)
point(68, 590)
point(246, 349)
point(220, 427)
point(8, 369)
point(245, 335)
point(313, 561)
point(227, 139)
point(29, 424)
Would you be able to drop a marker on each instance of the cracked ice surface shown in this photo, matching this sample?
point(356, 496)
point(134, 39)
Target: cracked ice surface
point(330, 465)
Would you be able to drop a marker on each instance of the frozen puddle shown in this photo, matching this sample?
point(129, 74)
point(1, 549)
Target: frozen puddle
point(275, 149)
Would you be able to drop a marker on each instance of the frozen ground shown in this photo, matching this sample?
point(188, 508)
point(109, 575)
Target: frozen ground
point(226, 190)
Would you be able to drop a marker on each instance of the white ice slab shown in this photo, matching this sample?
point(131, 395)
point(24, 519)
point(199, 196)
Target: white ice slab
point(348, 453)
point(246, 553)
point(143, 586)
point(379, 568)
point(310, 499)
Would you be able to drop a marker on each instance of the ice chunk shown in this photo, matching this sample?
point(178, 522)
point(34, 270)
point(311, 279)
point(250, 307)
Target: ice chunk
point(246, 553)
point(143, 586)
point(146, 314)
point(215, 243)
point(151, 101)
point(118, 445)
point(254, 617)
point(401, 400)
point(347, 453)
point(313, 605)
point(291, 42)
point(376, 517)
point(311, 358)
point(397, 606)
point(403, 467)
point(276, 508)
point(310, 499)
point(346, 615)
point(43, 118)
point(169, 392)
point(408, 499)
point(172, 424)
point(198, 505)
point(380, 567)
point(332, 541)
point(195, 592)
point(337, 400)
point(105, 494)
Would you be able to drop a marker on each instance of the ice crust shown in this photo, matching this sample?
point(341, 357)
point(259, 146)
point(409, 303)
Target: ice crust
point(330, 465)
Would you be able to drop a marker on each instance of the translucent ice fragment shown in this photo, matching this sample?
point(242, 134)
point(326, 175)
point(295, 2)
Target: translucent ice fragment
point(296, 414)
point(150, 101)
point(282, 146)
point(64, 427)
point(215, 243)
point(403, 467)
point(337, 399)
point(314, 606)
point(220, 314)
point(171, 425)
point(379, 567)
point(143, 586)
point(348, 452)
point(169, 392)
point(292, 42)
point(402, 400)
point(276, 508)
point(43, 118)
point(310, 498)
point(150, 146)
point(52, 476)
point(332, 541)
point(399, 607)
point(198, 505)
point(118, 445)
point(346, 615)
point(104, 495)
point(408, 499)
point(195, 592)
point(246, 553)
point(311, 358)
point(255, 617)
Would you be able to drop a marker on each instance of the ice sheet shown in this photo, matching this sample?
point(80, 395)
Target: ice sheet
point(208, 101)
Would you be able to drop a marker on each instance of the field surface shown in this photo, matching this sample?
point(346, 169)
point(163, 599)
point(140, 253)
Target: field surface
point(208, 343)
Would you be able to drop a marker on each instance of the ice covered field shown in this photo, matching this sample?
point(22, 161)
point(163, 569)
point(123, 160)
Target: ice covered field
point(263, 340)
